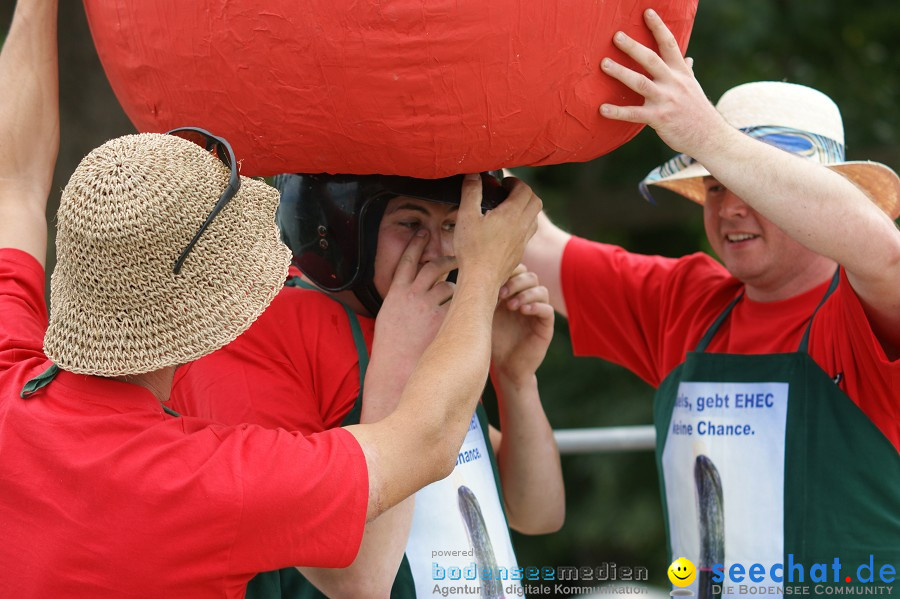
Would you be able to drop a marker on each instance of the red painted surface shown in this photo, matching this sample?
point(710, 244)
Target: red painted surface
point(424, 88)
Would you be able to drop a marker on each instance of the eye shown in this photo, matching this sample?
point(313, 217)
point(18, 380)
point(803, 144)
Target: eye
point(449, 227)
point(714, 187)
point(409, 224)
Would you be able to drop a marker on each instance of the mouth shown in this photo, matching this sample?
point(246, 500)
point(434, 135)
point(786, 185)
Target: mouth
point(739, 237)
point(680, 577)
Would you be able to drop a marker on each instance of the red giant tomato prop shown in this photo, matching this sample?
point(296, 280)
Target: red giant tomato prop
point(424, 88)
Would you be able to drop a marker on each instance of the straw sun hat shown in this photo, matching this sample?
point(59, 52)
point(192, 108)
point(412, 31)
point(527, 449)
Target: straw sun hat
point(128, 211)
point(795, 118)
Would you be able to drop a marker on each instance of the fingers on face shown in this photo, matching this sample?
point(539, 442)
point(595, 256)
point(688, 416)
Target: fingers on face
point(408, 265)
point(433, 272)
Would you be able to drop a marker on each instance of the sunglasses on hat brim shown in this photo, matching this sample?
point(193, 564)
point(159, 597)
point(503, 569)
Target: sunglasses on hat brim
point(222, 150)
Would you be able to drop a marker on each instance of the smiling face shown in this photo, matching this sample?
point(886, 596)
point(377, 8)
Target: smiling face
point(753, 249)
point(403, 216)
point(682, 572)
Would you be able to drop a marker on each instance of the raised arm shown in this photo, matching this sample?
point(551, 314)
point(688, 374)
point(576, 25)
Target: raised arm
point(29, 125)
point(417, 444)
point(814, 205)
point(528, 457)
point(407, 322)
point(543, 256)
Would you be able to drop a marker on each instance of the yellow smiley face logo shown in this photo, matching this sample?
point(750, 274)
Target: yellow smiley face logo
point(682, 572)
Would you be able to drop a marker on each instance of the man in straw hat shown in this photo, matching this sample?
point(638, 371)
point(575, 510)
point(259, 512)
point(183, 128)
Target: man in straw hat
point(103, 491)
point(778, 371)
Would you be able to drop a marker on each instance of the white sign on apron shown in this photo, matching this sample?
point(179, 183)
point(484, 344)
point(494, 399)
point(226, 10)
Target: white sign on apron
point(445, 520)
point(732, 433)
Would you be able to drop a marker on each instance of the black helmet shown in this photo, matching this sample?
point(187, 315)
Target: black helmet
point(330, 222)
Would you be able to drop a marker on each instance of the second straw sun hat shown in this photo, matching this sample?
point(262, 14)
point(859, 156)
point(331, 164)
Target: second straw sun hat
point(795, 118)
point(127, 213)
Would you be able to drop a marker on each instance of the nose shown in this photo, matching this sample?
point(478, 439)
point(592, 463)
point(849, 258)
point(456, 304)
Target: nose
point(435, 246)
point(732, 206)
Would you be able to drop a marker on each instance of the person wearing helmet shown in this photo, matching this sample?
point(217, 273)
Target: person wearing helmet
point(306, 358)
point(332, 224)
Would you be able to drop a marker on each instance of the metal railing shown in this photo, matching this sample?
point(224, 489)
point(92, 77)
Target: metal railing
point(605, 439)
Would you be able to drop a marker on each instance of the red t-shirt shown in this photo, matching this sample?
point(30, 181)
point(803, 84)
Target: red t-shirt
point(647, 312)
point(298, 359)
point(103, 494)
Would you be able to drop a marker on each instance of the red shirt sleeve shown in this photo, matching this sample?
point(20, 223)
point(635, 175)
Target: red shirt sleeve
point(642, 312)
point(306, 494)
point(23, 310)
point(842, 342)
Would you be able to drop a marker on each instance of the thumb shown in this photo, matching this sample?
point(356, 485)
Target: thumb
point(470, 198)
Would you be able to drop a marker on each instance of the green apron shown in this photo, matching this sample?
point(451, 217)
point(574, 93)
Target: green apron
point(763, 459)
point(289, 583)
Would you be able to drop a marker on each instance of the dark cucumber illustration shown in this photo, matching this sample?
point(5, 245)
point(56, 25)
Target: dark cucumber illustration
point(480, 542)
point(712, 524)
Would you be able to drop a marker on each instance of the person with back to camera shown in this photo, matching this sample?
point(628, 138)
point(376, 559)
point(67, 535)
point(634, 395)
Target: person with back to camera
point(307, 355)
point(164, 254)
point(778, 370)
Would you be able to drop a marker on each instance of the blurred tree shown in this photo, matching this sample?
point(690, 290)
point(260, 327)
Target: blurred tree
point(850, 51)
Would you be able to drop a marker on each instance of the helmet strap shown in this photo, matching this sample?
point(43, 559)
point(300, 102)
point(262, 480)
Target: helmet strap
point(364, 285)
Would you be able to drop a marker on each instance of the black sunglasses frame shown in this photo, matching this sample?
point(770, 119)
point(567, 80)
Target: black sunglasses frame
point(215, 145)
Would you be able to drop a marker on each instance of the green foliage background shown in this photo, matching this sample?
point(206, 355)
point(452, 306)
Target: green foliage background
point(851, 51)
